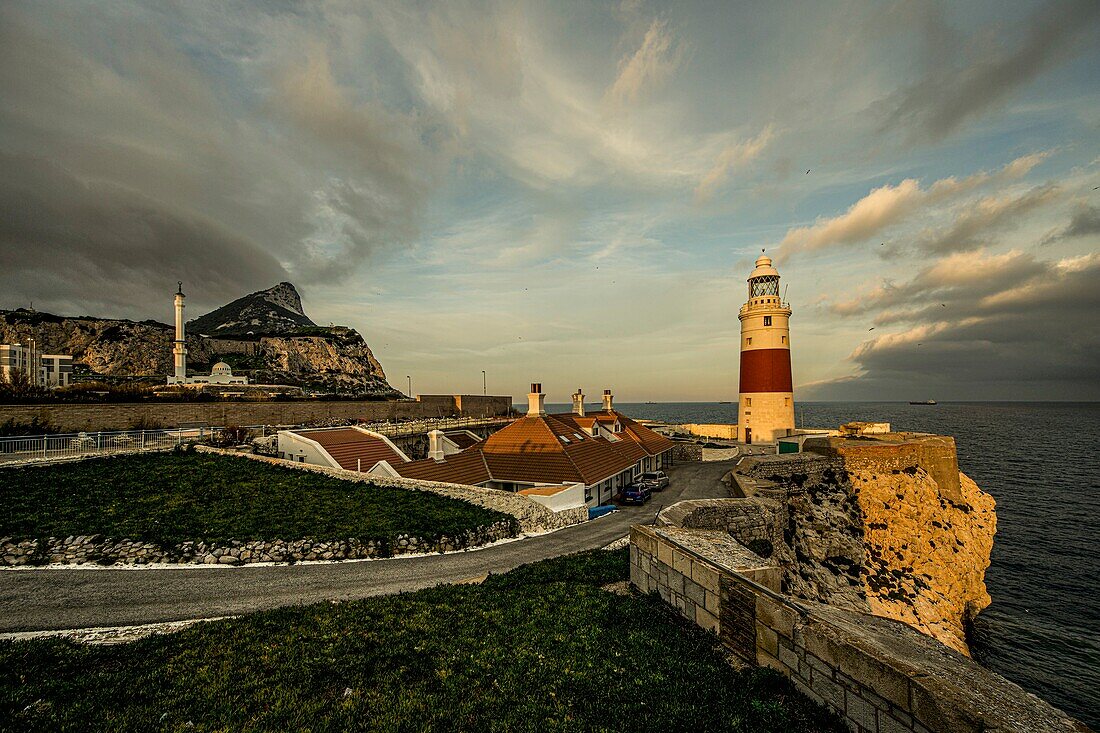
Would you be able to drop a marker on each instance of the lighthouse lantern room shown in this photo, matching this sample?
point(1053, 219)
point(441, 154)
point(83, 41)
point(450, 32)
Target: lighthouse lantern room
point(765, 409)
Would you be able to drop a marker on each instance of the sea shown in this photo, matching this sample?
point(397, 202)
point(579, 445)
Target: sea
point(1041, 462)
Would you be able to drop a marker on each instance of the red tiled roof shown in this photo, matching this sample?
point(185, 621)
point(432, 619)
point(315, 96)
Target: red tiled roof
point(466, 467)
point(462, 439)
point(353, 449)
point(532, 450)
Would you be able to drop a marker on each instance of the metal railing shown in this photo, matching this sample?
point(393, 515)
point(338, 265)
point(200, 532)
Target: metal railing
point(69, 445)
point(412, 427)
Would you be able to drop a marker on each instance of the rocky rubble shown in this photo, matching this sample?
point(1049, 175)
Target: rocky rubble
point(99, 550)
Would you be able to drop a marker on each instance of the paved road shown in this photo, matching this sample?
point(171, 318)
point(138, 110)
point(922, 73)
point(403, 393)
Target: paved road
point(37, 600)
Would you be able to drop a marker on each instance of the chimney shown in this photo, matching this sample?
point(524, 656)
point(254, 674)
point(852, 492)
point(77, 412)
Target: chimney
point(578, 402)
point(608, 399)
point(435, 445)
point(536, 400)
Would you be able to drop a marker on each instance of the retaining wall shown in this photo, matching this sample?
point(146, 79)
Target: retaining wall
point(71, 418)
point(880, 675)
point(532, 516)
point(100, 550)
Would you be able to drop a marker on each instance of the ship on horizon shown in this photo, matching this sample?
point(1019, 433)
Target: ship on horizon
point(924, 402)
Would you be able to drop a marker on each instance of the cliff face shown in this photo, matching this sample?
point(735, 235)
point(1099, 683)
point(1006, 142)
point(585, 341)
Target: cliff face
point(332, 359)
point(882, 529)
point(275, 310)
point(112, 347)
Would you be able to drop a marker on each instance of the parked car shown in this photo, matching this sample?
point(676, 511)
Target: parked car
point(655, 480)
point(636, 494)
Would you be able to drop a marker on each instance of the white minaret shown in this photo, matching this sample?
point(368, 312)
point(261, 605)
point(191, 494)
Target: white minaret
point(765, 410)
point(179, 351)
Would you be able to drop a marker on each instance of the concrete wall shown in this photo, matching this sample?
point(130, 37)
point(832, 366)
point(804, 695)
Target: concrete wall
point(71, 418)
point(294, 447)
point(934, 453)
point(880, 675)
point(712, 430)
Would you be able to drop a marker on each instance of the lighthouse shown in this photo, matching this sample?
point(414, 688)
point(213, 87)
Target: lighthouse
point(179, 350)
point(765, 408)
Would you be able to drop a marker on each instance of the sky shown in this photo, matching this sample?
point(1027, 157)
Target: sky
point(574, 193)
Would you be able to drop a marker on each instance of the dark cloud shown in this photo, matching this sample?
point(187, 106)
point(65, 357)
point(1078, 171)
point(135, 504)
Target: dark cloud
point(976, 224)
point(1084, 222)
point(966, 80)
point(1005, 327)
point(138, 148)
point(95, 247)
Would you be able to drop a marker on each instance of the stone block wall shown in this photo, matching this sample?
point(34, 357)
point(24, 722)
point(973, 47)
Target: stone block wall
point(880, 675)
point(70, 418)
point(898, 452)
point(682, 452)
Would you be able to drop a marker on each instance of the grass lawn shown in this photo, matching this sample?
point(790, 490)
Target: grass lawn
point(171, 497)
point(542, 648)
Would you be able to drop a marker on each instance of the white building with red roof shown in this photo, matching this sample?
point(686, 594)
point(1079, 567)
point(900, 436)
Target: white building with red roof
point(602, 452)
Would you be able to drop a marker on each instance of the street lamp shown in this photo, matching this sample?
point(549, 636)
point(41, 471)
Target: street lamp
point(484, 389)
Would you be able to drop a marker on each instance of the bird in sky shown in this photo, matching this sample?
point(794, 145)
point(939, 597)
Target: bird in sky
point(807, 171)
point(872, 328)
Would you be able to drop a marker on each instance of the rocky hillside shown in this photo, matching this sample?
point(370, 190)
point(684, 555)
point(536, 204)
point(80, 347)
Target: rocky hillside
point(891, 529)
point(292, 350)
point(277, 310)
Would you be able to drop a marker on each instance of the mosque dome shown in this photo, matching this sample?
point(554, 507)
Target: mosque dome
point(222, 369)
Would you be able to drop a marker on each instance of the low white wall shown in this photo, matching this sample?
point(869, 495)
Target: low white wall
point(532, 517)
point(570, 498)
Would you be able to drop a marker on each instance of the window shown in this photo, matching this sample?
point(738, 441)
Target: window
point(782, 339)
point(786, 401)
point(767, 320)
point(748, 341)
point(748, 402)
point(563, 439)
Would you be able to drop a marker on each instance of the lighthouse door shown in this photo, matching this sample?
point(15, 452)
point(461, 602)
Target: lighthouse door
point(748, 436)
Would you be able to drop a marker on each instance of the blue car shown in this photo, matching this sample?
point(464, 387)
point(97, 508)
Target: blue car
point(636, 494)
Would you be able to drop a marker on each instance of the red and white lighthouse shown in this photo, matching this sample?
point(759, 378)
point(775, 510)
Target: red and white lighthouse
point(765, 409)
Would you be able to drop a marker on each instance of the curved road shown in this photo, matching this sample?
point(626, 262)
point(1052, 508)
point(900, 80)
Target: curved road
point(39, 600)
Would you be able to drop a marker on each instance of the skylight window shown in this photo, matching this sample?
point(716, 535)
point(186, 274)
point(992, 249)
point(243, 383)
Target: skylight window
point(578, 436)
point(564, 439)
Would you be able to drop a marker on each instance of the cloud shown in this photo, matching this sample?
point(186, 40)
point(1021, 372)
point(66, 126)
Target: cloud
point(1003, 326)
point(890, 205)
point(108, 247)
point(1084, 222)
point(952, 93)
point(979, 220)
point(162, 144)
point(648, 67)
point(731, 158)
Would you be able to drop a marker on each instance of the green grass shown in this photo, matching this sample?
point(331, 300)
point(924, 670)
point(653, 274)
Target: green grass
point(168, 498)
point(521, 652)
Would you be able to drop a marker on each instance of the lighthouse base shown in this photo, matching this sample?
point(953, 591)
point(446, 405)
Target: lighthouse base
point(764, 417)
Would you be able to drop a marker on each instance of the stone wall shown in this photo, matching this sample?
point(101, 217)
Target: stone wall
point(99, 550)
point(897, 452)
point(70, 418)
point(682, 452)
point(531, 516)
point(880, 675)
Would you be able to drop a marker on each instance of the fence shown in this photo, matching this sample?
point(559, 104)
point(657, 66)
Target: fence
point(69, 445)
point(414, 427)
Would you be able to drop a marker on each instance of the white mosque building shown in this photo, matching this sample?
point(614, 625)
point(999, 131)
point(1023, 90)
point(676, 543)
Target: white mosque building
point(220, 373)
